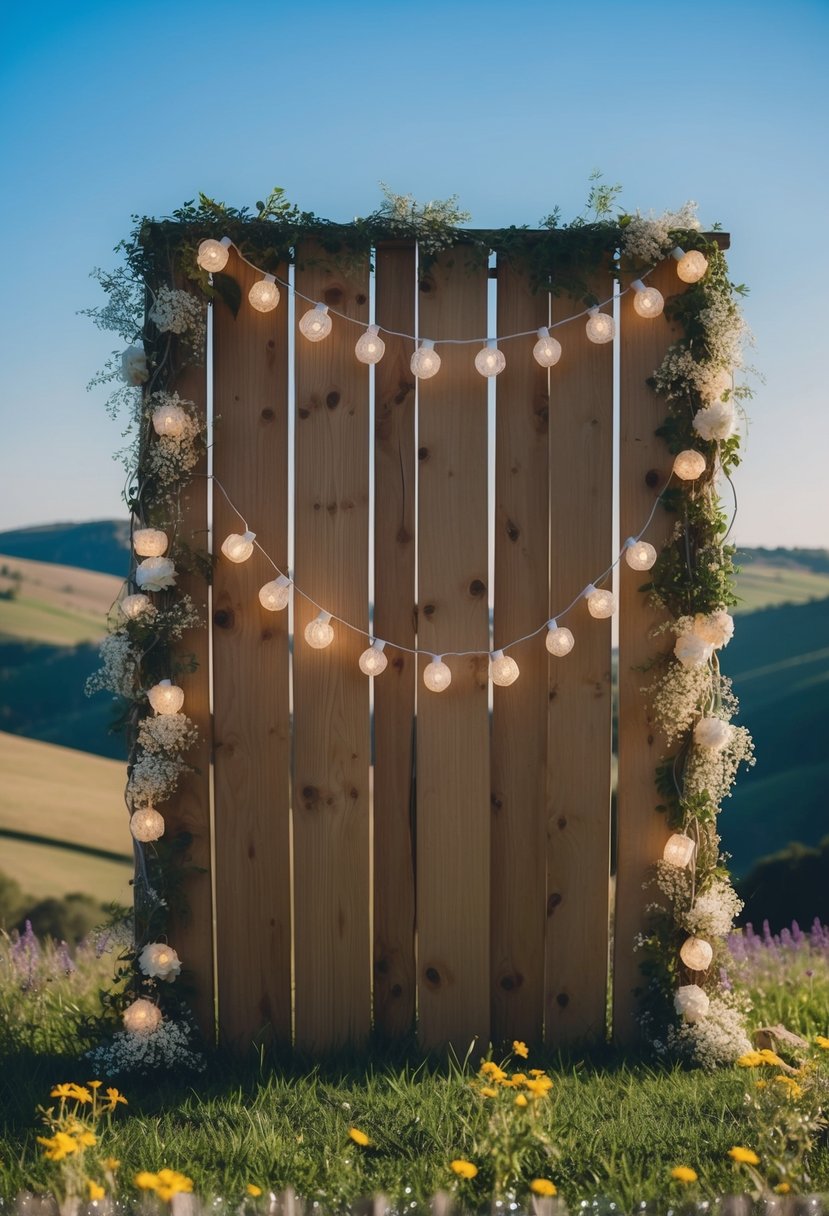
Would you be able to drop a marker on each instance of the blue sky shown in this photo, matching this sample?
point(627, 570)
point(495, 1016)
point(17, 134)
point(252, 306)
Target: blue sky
point(114, 109)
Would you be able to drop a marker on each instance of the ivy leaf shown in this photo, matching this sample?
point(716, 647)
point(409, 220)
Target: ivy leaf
point(228, 288)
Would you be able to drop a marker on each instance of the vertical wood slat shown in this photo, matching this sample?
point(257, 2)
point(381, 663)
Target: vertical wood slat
point(453, 794)
point(250, 656)
point(331, 705)
point(394, 691)
point(645, 466)
point(578, 825)
point(188, 815)
point(519, 723)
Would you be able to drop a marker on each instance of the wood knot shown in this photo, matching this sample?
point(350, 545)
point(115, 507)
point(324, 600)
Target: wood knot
point(652, 478)
point(382, 966)
point(331, 508)
point(403, 535)
point(511, 983)
point(353, 792)
point(251, 851)
point(360, 299)
point(333, 295)
point(425, 285)
point(553, 901)
point(310, 796)
point(562, 1000)
point(496, 801)
point(423, 453)
point(432, 977)
point(268, 414)
point(304, 412)
point(398, 662)
point(395, 991)
point(477, 588)
point(266, 635)
point(428, 609)
point(513, 531)
point(270, 344)
point(562, 822)
point(332, 400)
point(223, 618)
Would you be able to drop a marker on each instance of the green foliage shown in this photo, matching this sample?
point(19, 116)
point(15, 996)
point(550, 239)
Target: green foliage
point(792, 884)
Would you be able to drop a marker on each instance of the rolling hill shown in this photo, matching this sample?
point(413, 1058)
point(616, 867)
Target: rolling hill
point(101, 544)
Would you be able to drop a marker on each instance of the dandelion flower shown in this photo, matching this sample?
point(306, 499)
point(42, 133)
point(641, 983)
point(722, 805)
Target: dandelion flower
point(543, 1186)
point(253, 1189)
point(146, 1181)
point(488, 1092)
point(822, 1041)
point(782, 1188)
point(94, 1189)
point(521, 1100)
point(751, 1059)
point(359, 1137)
point(114, 1098)
point(464, 1169)
point(745, 1156)
point(111, 1164)
point(520, 1049)
point(684, 1173)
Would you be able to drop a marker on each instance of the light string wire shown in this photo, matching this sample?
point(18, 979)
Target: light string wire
point(394, 333)
point(452, 654)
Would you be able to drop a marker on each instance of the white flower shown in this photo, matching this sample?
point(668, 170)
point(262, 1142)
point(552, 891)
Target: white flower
point(715, 421)
point(170, 1046)
point(716, 629)
point(692, 650)
point(141, 1017)
point(692, 1002)
point(159, 962)
point(155, 573)
point(119, 665)
point(712, 732)
point(718, 1038)
point(134, 369)
point(714, 910)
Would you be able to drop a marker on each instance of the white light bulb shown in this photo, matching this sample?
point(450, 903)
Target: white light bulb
point(559, 641)
point(690, 266)
point(212, 255)
point(370, 346)
point(547, 350)
point(166, 697)
point(639, 555)
point(647, 301)
point(315, 324)
point(149, 542)
point(692, 1002)
point(436, 675)
point(425, 362)
point(679, 850)
point(696, 954)
point(238, 548)
point(169, 420)
point(319, 633)
point(600, 603)
point(264, 295)
point(490, 361)
point(372, 661)
point(502, 669)
point(134, 606)
point(147, 824)
point(600, 326)
point(275, 595)
point(141, 1017)
point(689, 465)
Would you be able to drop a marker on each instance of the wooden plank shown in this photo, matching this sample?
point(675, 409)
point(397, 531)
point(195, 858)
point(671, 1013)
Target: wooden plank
point(453, 785)
point(519, 726)
point(394, 693)
point(645, 465)
point(331, 705)
point(250, 662)
point(578, 846)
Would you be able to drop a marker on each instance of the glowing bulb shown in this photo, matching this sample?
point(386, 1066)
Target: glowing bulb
point(319, 633)
point(679, 850)
point(639, 555)
point(689, 465)
point(275, 595)
point(147, 824)
point(315, 324)
point(134, 606)
point(600, 326)
point(238, 548)
point(166, 697)
point(370, 346)
point(142, 1017)
point(264, 295)
point(425, 362)
point(169, 420)
point(547, 350)
point(502, 669)
point(372, 661)
point(690, 266)
point(691, 1002)
point(436, 675)
point(212, 255)
point(149, 542)
point(647, 301)
point(696, 954)
point(490, 361)
point(600, 604)
point(559, 641)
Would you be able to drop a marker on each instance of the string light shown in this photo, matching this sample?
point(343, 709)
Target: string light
point(319, 633)
point(436, 675)
point(639, 555)
point(547, 350)
point(212, 255)
point(503, 669)
point(149, 542)
point(600, 603)
point(600, 326)
point(134, 606)
point(275, 595)
point(679, 850)
point(372, 661)
point(692, 1002)
point(425, 362)
point(142, 1017)
point(490, 361)
point(264, 295)
point(559, 641)
point(690, 266)
point(370, 347)
point(166, 697)
point(647, 301)
point(689, 465)
point(315, 324)
point(238, 548)
point(696, 954)
point(147, 824)
point(169, 420)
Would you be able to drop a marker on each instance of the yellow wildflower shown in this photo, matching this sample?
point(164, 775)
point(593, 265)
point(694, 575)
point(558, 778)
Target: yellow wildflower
point(746, 1156)
point(520, 1049)
point(782, 1188)
point(488, 1092)
point(521, 1100)
point(86, 1137)
point(80, 1093)
point(491, 1070)
point(518, 1078)
point(94, 1189)
point(751, 1059)
point(537, 1072)
point(56, 1147)
point(111, 1164)
point(114, 1097)
point(771, 1057)
point(822, 1041)
point(146, 1181)
point(795, 1090)
point(760, 1084)
point(539, 1087)
point(684, 1173)
point(253, 1189)
point(171, 1182)
point(359, 1137)
point(62, 1091)
point(94, 1084)
point(464, 1169)
point(542, 1186)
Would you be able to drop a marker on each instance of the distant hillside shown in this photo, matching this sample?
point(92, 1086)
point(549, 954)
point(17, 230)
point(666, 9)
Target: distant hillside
point(101, 544)
point(781, 576)
point(61, 605)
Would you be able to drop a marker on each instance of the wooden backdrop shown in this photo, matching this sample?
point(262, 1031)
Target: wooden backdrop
point(436, 864)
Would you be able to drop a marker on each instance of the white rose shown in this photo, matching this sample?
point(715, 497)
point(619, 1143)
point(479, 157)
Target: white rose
point(142, 1017)
point(159, 962)
point(691, 1002)
point(155, 573)
point(716, 421)
point(692, 650)
point(716, 628)
point(134, 368)
point(712, 732)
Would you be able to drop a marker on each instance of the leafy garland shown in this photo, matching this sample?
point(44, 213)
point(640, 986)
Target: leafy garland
point(156, 302)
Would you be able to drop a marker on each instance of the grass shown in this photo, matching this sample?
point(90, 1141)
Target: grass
point(762, 585)
point(58, 605)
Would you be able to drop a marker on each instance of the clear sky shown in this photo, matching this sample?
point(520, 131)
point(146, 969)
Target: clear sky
point(110, 109)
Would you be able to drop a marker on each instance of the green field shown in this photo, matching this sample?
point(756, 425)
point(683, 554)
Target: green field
point(762, 585)
point(58, 605)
